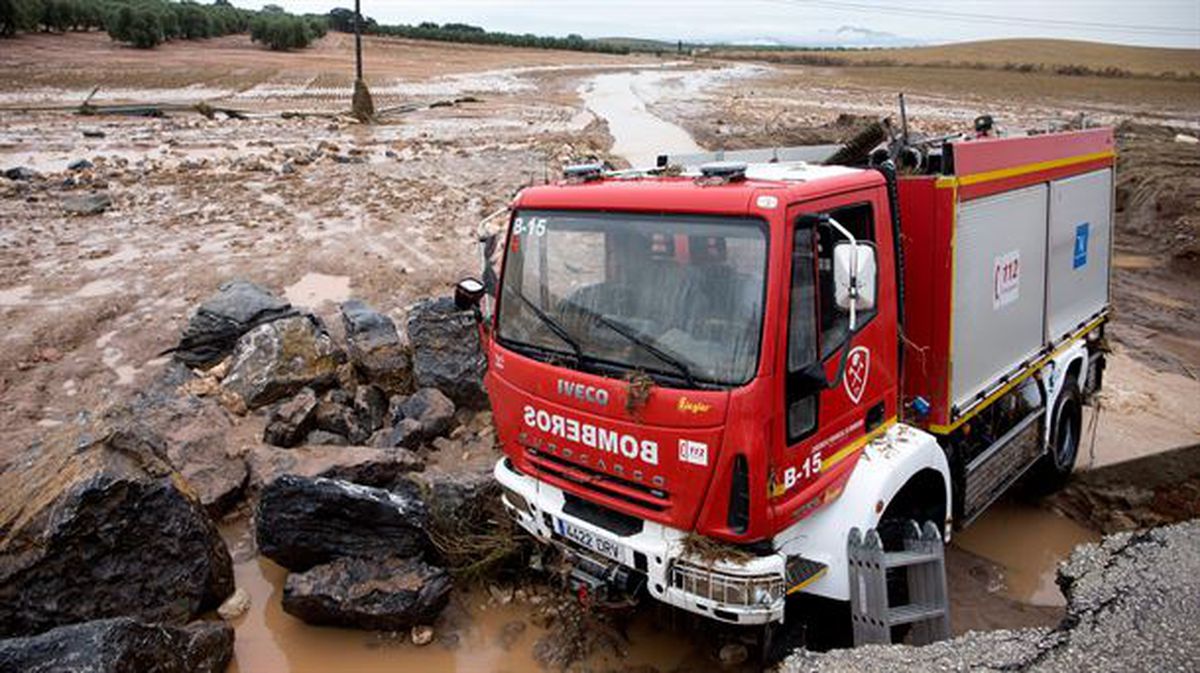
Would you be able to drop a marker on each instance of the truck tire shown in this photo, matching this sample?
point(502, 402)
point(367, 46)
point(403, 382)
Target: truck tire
point(1054, 469)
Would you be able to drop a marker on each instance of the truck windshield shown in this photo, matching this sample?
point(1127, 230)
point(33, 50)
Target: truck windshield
point(679, 297)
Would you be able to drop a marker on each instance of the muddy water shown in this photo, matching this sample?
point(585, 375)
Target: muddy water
point(639, 136)
point(315, 289)
point(474, 634)
point(1026, 542)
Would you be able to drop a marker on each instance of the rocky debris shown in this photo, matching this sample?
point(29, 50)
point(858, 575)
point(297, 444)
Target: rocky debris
point(374, 347)
point(446, 351)
point(301, 522)
point(121, 645)
point(291, 420)
point(1131, 605)
point(468, 498)
point(80, 165)
point(325, 438)
point(337, 414)
point(277, 359)
point(214, 330)
point(419, 418)
point(235, 606)
point(510, 633)
point(383, 593)
point(1155, 490)
point(356, 464)
point(96, 524)
point(196, 432)
point(371, 404)
point(21, 173)
point(87, 204)
point(421, 635)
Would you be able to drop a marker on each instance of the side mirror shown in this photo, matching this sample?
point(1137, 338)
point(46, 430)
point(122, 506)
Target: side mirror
point(854, 278)
point(468, 293)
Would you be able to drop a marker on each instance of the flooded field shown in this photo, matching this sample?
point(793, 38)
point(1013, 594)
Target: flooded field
point(321, 209)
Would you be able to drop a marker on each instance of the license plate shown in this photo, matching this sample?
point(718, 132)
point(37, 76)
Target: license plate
point(587, 539)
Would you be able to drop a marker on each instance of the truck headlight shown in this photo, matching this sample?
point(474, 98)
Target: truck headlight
point(747, 590)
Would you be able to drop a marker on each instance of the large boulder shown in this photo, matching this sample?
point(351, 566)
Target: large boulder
point(121, 645)
point(357, 464)
point(236, 308)
point(375, 347)
point(302, 522)
point(446, 351)
point(275, 360)
point(385, 594)
point(96, 524)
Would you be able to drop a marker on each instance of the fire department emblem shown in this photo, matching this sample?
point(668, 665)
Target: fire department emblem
point(858, 367)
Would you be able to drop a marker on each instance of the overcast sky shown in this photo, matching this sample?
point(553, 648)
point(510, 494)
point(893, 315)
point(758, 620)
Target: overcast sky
point(1171, 23)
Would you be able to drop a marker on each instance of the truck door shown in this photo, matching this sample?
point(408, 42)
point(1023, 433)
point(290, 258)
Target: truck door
point(827, 418)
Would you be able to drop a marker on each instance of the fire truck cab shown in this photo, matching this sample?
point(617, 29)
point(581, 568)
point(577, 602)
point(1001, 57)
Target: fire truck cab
point(703, 382)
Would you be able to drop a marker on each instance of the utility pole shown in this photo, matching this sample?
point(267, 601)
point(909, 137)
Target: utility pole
point(357, 41)
point(361, 106)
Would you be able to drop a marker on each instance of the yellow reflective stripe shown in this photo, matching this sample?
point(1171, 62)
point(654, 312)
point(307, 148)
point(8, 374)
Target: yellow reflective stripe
point(1030, 371)
point(815, 576)
point(856, 445)
point(947, 182)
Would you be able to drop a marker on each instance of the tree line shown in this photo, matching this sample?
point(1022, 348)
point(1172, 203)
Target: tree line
point(146, 24)
point(342, 19)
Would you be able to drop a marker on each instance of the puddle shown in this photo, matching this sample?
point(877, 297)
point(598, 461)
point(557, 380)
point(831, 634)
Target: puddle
point(1027, 542)
point(315, 289)
point(269, 639)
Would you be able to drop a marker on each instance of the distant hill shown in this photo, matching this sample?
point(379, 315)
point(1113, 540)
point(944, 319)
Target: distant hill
point(1009, 54)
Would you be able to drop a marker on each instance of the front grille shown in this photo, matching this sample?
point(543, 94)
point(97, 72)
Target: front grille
point(728, 589)
point(644, 496)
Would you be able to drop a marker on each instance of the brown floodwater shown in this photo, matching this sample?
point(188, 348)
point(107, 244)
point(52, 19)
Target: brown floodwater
point(1026, 542)
point(475, 634)
point(1021, 542)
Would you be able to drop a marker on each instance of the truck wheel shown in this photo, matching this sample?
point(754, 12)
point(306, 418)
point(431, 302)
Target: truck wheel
point(1054, 469)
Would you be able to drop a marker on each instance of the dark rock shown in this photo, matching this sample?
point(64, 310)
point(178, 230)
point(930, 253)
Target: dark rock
point(96, 524)
point(468, 498)
point(214, 330)
point(279, 358)
point(385, 594)
point(121, 645)
point(375, 347)
point(357, 464)
point(325, 438)
point(340, 419)
point(21, 173)
point(87, 204)
point(446, 351)
point(196, 432)
point(93, 133)
point(405, 433)
point(420, 417)
point(371, 405)
point(302, 522)
point(431, 408)
point(291, 420)
point(79, 165)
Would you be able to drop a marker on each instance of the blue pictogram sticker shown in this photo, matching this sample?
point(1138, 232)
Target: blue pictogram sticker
point(1081, 245)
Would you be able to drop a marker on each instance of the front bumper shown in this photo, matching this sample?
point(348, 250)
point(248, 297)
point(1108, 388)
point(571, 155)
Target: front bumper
point(736, 593)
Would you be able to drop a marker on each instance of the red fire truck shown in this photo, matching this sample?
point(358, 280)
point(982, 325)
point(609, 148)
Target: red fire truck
point(704, 380)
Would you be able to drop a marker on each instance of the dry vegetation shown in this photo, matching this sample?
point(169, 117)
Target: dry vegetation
point(1065, 57)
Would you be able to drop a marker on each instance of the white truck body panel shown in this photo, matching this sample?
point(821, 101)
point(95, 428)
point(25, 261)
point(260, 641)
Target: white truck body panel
point(999, 288)
point(1080, 245)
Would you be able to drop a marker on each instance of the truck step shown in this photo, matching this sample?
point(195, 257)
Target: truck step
point(907, 614)
point(922, 563)
point(900, 559)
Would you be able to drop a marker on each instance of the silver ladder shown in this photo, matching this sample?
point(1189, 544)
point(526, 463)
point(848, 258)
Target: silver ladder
point(923, 561)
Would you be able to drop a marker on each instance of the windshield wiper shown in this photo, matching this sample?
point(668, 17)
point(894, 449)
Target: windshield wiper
point(633, 337)
point(553, 325)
